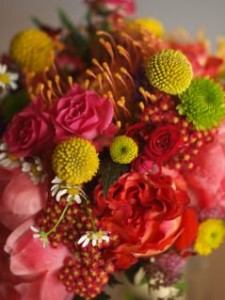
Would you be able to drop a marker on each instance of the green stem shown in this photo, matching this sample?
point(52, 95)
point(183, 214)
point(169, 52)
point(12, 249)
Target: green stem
point(90, 216)
point(60, 219)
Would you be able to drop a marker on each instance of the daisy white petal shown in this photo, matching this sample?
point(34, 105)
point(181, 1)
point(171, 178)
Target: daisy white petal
point(60, 194)
point(82, 239)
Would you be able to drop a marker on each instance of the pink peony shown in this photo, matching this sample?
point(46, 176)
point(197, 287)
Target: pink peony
point(83, 114)
point(123, 7)
point(20, 199)
point(29, 132)
point(207, 183)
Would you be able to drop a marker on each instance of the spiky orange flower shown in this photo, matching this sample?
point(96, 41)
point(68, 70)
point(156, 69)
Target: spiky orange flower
point(115, 74)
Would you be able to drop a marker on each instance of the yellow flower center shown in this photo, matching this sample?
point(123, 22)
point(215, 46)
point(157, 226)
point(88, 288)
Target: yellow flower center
point(33, 50)
point(75, 161)
point(4, 78)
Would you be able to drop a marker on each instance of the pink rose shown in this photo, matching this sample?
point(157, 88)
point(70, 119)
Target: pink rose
point(29, 132)
point(83, 114)
point(207, 182)
point(20, 199)
point(124, 7)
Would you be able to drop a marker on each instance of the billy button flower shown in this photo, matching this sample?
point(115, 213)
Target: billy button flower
point(169, 71)
point(203, 103)
point(33, 50)
point(123, 149)
point(211, 234)
point(152, 25)
point(163, 143)
point(75, 161)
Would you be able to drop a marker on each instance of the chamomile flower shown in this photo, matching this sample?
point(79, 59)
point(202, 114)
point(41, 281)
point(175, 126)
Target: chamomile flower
point(38, 234)
point(72, 192)
point(7, 79)
point(7, 160)
point(96, 238)
point(35, 170)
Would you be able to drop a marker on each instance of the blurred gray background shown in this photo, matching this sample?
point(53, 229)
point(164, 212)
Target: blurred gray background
point(192, 14)
point(205, 275)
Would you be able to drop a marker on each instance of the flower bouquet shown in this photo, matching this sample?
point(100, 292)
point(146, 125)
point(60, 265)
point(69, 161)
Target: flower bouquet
point(111, 156)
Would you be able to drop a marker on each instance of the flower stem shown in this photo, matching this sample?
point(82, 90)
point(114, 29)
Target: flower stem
point(60, 219)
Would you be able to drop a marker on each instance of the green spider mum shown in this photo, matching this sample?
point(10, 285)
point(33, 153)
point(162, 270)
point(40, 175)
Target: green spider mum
point(203, 103)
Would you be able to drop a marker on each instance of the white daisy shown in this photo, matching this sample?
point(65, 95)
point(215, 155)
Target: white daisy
point(72, 192)
point(7, 160)
point(7, 79)
point(95, 238)
point(37, 234)
point(35, 170)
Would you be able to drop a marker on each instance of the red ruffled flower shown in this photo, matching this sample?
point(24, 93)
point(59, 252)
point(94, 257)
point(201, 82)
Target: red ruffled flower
point(163, 143)
point(145, 212)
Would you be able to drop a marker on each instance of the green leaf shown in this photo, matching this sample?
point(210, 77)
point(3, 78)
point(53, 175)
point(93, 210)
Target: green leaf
point(132, 271)
point(102, 296)
point(181, 286)
point(14, 103)
point(110, 172)
point(113, 281)
point(75, 34)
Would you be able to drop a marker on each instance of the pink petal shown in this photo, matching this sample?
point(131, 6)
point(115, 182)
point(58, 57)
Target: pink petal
point(46, 288)
point(20, 198)
point(30, 258)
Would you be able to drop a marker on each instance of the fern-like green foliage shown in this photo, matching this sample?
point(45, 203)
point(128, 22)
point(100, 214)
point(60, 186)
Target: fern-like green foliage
point(203, 103)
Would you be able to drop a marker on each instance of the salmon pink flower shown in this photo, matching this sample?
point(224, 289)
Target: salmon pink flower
point(206, 185)
point(34, 267)
point(20, 199)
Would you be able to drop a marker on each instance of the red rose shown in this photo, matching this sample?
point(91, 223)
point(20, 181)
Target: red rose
point(29, 131)
point(163, 143)
point(83, 114)
point(144, 212)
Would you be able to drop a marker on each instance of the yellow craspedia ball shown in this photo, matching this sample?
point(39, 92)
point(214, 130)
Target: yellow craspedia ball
point(169, 71)
point(33, 50)
point(151, 25)
point(75, 161)
point(123, 149)
point(210, 236)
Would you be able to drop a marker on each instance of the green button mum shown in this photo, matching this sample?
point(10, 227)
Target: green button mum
point(203, 103)
point(169, 71)
point(123, 149)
